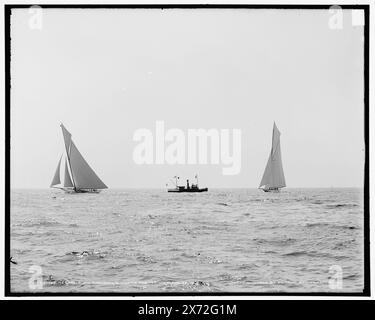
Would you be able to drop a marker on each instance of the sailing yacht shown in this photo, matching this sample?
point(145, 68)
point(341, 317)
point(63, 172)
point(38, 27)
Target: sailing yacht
point(273, 177)
point(78, 175)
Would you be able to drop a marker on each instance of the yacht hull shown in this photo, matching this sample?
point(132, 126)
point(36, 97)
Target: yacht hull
point(271, 190)
point(81, 191)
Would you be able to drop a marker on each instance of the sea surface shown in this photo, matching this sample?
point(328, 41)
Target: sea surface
point(224, 240)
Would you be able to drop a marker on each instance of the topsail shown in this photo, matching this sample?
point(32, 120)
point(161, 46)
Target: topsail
point(78, 175)
point(273, 177)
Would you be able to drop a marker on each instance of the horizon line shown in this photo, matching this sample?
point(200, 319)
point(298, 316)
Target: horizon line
point(160, 188)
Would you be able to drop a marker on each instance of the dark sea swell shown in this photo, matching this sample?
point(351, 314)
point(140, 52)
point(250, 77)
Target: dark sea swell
point(240, 240)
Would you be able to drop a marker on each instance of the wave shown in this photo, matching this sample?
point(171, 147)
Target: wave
point(275, 242)
point(317, 202)
point(326, 224)
point(347, 227)
point(295, 253)
point(209, 259)
point(351, 277)
point(318, 224)
point(200, 283)
point(230, 277)
point(247, 266)
point(342, 205)
point(313, 254)
point(86, 254)
point(33, 234)
point(50, 281)
point(218, 211)
point(189, 255)
point(195, 285)
point(222, 204)
point(146, 259)
point(33, 223)
point(74, 225)
point(343, 244)
point(43, 223)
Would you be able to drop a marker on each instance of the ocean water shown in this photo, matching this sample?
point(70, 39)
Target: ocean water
point(225, 240)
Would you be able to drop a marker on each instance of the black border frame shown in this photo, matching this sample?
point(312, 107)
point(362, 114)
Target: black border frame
point(7, 39)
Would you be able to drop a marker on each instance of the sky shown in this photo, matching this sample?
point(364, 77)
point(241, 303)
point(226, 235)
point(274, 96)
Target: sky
point(104, 73)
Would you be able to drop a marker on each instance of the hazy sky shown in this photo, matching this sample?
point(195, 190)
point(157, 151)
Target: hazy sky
point(106, 73)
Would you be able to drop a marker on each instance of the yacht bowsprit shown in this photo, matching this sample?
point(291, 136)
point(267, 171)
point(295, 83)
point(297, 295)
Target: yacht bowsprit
point(78, 175)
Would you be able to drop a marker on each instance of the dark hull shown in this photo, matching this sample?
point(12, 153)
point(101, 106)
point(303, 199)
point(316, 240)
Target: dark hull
point(81, 190)
point(275, 190)
point(188, 190)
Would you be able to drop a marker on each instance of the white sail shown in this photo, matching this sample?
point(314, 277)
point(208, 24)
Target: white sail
point(83, 176)
point(273, 176)
point(67, 138)
point(56, 177)
point(77, 174)
point(67, 180)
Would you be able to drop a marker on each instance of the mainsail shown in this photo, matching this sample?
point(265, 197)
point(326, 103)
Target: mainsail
point(78, 175)
point(273, 176)
point(84, 177)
